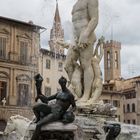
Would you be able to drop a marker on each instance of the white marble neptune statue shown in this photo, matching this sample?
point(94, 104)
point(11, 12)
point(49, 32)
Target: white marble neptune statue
point(85, 21)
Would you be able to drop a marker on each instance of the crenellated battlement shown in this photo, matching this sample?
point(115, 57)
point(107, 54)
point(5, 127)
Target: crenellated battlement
point(112, 43)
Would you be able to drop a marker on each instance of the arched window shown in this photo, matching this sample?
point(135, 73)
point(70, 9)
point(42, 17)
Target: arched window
point(133, 108)
point(23, 96)
point(3, 47)
point(3, 90)
point(108, 59)
point(116, 59)
point(128, 108)
point(123, 108)
point(23, 90)
point(4, 81)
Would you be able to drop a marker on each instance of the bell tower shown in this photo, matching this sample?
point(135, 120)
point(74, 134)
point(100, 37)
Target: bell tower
point(57, 33)
point(112, 61)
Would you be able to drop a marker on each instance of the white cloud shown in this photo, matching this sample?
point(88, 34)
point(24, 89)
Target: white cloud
point(130, 60)
point(123, 15)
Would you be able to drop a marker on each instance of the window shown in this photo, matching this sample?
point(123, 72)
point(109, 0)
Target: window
point(47, 91)
point(134, 121)
point(106, 101)
point(23, 52)
point(130, 95)
point(128, 108)
point(111, 88)
point(60, 66)
point(48, 64)
point(23, 95)
point(2, 47)
point(133, 108)
point(123, 108)
point(105, 88)
point(116, 103)
point(133, 95)
point(3, 90)
point(127, 96)
point(128, 121)
point(116, 59)
point(108, 60)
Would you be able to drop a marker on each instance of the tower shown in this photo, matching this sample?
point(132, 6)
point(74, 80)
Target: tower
point(57, 33)
point(112, 61)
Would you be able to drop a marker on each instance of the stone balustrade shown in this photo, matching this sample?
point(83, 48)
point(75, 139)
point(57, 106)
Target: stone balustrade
point(7, 111)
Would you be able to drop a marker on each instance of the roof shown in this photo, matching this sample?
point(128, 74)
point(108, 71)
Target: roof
point(125, 91)
point(133, 78)
point(30, 23)
point(57, 16)
point(111, 92)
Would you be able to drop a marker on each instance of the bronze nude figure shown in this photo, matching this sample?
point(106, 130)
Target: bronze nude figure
point(49, 113)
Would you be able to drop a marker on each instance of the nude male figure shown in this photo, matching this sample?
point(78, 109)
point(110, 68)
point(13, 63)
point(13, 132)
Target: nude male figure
point(85, 20)
point(96, 89)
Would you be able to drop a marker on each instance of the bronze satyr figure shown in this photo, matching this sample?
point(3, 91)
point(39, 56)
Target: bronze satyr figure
point(49, 113)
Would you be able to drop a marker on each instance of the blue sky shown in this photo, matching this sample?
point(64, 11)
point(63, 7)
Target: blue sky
point(121, 18)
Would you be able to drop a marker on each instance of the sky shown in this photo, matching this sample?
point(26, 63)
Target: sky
point(118, 20)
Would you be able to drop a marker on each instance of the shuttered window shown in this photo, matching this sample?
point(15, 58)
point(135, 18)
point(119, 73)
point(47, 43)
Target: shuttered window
point(2, 47)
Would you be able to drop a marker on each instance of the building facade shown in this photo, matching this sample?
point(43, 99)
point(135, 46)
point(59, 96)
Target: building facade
point(122, 93)
point(112, 60)
point(51, 62)
point(112, 73)
point(131, 100)
point(51, 68)
point(19, 47)
point(57, 33)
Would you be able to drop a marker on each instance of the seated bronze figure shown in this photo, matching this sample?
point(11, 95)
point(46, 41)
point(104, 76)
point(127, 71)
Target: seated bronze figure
point(49, 113)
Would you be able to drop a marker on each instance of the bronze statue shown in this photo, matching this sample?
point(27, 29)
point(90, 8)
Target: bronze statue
point(113, 130)
point(49, 113)
point(38, 78)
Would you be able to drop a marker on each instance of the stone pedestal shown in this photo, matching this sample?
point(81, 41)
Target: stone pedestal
point(11, 136)
point(91, 120)
point(56, 131)
point(91, 127)
point(88, 125)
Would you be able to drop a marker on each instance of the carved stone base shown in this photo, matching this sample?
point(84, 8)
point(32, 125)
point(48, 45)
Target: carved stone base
point(55, 131)
point(91, 127)
point(56, 135)
point(97, 109)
